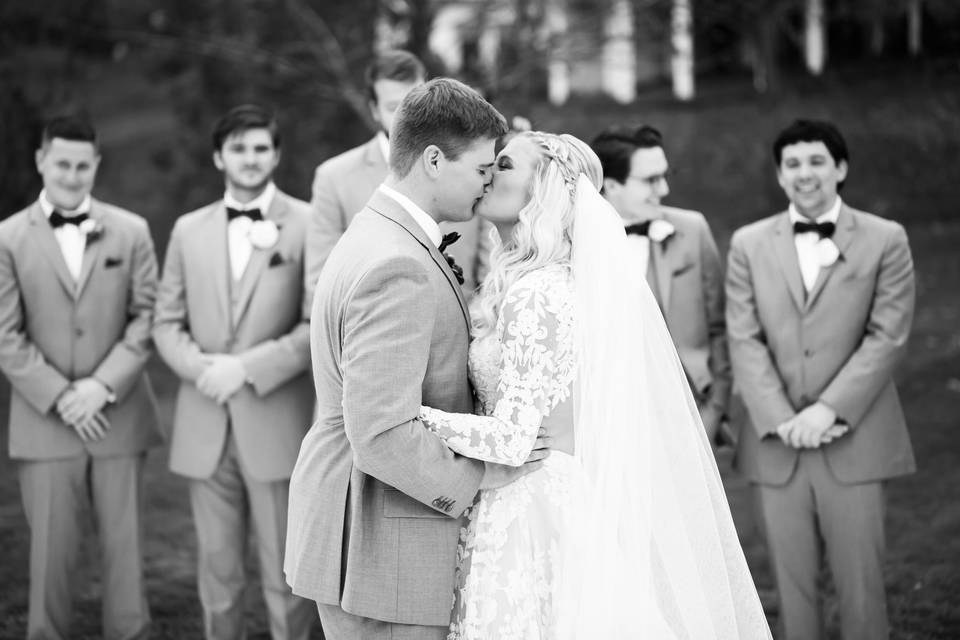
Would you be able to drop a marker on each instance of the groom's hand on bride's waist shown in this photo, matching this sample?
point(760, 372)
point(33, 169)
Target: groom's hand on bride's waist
point(498, 475)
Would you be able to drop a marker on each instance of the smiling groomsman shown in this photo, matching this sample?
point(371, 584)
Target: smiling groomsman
point(232, 321)
point(343, 184)
point(820, 301)
point(77, 284)
point(676, 250)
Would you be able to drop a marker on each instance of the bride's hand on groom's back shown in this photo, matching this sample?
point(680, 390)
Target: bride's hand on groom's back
point(498, 475)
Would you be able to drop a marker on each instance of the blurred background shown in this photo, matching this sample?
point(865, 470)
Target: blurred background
point(719, 78)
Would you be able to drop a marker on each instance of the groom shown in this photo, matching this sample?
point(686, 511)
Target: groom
point(375, 499)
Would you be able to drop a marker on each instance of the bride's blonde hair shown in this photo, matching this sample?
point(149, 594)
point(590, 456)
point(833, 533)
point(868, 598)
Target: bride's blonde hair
point(542, 235)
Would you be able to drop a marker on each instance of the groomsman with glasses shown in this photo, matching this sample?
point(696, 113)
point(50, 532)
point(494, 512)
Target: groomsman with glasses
point(820, 301)
point(77, 284)
point(343, 184)
point(676, 250)
point(232, 321)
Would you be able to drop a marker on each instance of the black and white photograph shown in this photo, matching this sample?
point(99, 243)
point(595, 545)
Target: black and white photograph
point(480, 319)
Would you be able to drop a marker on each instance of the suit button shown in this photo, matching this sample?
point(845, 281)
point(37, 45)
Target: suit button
point(78, 332)
point(808, 352)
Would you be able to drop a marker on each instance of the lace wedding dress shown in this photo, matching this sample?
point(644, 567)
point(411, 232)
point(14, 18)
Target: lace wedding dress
point(508, 551)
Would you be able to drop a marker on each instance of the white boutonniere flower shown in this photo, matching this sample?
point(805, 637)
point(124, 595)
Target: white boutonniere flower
point(660, 230)
point(91, 228)
point(827, 252)
point(263, 234)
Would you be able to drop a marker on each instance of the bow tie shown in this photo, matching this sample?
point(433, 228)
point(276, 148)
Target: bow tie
point(448, 239)
point(253, 214)
point(57, 219)
point(823, 229)
point(638, 229)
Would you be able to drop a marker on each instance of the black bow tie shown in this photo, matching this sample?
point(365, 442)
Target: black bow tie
point(448, 239)
point(57, 219)
point(639, 229)
point(823, 229)
point(253, 214)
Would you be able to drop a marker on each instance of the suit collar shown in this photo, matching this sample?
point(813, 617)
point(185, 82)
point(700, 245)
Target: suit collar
point(666, 259)
point(389, 208)
point(42, 234)
point(259, 258)
point(843, 237)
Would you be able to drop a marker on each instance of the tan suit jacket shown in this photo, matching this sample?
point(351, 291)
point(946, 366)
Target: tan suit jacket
point(341, 187)
point(840, 344)
point(687, 276)
point(54, 330)
point(376, 498)
point(265, 323)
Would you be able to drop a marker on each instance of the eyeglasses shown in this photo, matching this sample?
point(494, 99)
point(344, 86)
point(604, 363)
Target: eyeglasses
point(651, 181)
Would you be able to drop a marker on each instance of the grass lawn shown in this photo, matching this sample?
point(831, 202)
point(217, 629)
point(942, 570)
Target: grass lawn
point(904, 134)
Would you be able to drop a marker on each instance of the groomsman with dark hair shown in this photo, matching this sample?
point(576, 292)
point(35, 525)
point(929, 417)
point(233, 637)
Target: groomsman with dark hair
point(820, 301)
point(676, 250)
point(343, 184)
point(232, 321)
point(77, 284)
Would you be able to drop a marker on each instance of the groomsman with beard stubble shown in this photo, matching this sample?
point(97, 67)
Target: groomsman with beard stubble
point(820, 300)
point(343, 184)
point(232, 321)
point(77, 284)
point(677, 251)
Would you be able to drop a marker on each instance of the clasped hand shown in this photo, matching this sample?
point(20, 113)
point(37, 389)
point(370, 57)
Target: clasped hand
point(80, 406)
point(811, 428)
point(222, 376)
point(499, 475)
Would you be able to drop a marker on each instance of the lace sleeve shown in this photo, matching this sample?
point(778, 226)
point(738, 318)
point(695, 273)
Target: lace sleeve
point(535, 369)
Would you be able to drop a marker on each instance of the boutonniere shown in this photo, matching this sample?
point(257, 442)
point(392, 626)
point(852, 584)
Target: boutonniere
point(92, 229)
point(827, 252)
point(660, 230)
point(263, 234)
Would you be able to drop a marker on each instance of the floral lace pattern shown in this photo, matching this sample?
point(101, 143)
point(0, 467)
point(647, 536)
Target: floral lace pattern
point(507, 556)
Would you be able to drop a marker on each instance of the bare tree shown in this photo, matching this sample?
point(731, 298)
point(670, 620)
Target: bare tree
point(681, 39)
point(815, 39)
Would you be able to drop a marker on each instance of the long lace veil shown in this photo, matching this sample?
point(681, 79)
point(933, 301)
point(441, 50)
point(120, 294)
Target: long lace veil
point(650, 549)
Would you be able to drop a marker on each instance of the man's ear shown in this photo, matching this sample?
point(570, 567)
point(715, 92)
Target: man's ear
point(38, 157)
point(432, 158)
point(217, 160)
point(611, 186)
point(842, 167)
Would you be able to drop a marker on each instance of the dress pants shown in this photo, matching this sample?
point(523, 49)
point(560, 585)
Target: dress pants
point(815, 515)
point(222, 506)
point(55, 493)
point(340, 625)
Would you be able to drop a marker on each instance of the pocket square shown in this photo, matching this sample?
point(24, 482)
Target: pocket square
point(109, 263)
point(276, 259)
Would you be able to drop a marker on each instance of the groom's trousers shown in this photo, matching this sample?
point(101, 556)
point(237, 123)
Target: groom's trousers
point(340, 625)
point(814, 516)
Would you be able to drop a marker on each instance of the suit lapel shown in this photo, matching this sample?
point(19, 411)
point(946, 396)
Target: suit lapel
point(212, 243)
point(842, 237)
point(259, 258)
point(666, 263)
point(91, 248)
point(42, 234)
point(785, 250)
point(391, 209)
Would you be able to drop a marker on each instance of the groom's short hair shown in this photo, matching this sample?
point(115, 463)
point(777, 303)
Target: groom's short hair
point(443, 112)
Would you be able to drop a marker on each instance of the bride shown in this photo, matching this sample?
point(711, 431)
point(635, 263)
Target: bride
point(624, 532)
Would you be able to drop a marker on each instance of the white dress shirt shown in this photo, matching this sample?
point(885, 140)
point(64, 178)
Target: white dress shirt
point(238, 229)
point(807, 254)
point(421, 217)
point(72, 241)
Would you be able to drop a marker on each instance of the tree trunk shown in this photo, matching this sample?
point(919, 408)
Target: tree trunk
point(815, 41)
point(619, 72)
point(914, 26)
point(558, 70)
point(682, 60)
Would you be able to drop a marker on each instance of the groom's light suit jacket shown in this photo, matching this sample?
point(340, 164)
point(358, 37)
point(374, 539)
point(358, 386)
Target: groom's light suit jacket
point(262, 320)
point(54, 330)
point(840, 344)
point(375, 498)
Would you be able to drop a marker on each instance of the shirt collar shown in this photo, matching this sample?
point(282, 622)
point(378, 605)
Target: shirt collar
point(421, 217)
point(47, 207)
point(384, 145)
point(832, 214)
point(262, 201)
